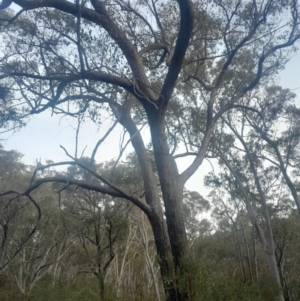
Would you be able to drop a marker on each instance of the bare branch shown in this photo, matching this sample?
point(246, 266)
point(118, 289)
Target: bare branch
point(102, 139)
point(115, 192)
point(29, 235)
point(185, 155)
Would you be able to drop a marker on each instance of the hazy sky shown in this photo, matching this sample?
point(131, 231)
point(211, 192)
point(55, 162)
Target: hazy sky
point(41, 138)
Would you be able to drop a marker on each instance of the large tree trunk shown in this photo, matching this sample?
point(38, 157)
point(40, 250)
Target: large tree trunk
point(170, 240)
point(172, 192)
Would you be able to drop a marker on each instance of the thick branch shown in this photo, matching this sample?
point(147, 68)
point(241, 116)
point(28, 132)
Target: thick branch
point(91, 75)
point(90, 186)
point(185, 32)
point(101, 17)
point(5, 4)
point(185, 175)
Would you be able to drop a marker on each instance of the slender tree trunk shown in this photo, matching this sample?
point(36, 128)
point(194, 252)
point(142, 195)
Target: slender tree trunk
point(281, 273)
point(267, 238)
point(247, 252)
point(253, 203)
point(149, 261)
point(100, 277)
point(239, 251)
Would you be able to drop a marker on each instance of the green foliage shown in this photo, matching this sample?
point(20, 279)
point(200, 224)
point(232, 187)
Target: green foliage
point(215, 271)
point(45, 291)
point(8, 289)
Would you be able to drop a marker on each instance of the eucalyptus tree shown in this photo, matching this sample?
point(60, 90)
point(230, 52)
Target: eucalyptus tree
point(254, 189)
point(228, 208)
point(277, 124)
point(268, 133)
point(96, 222)
point(257, 176)
point(41, 255)
point(176, 67)
point(19, 216)
point(286, 238)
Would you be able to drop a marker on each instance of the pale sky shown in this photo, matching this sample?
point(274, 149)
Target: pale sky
point(41, 138)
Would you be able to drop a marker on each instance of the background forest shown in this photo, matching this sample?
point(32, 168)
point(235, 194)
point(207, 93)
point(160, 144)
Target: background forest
point(89, 246)
point(180, 82)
